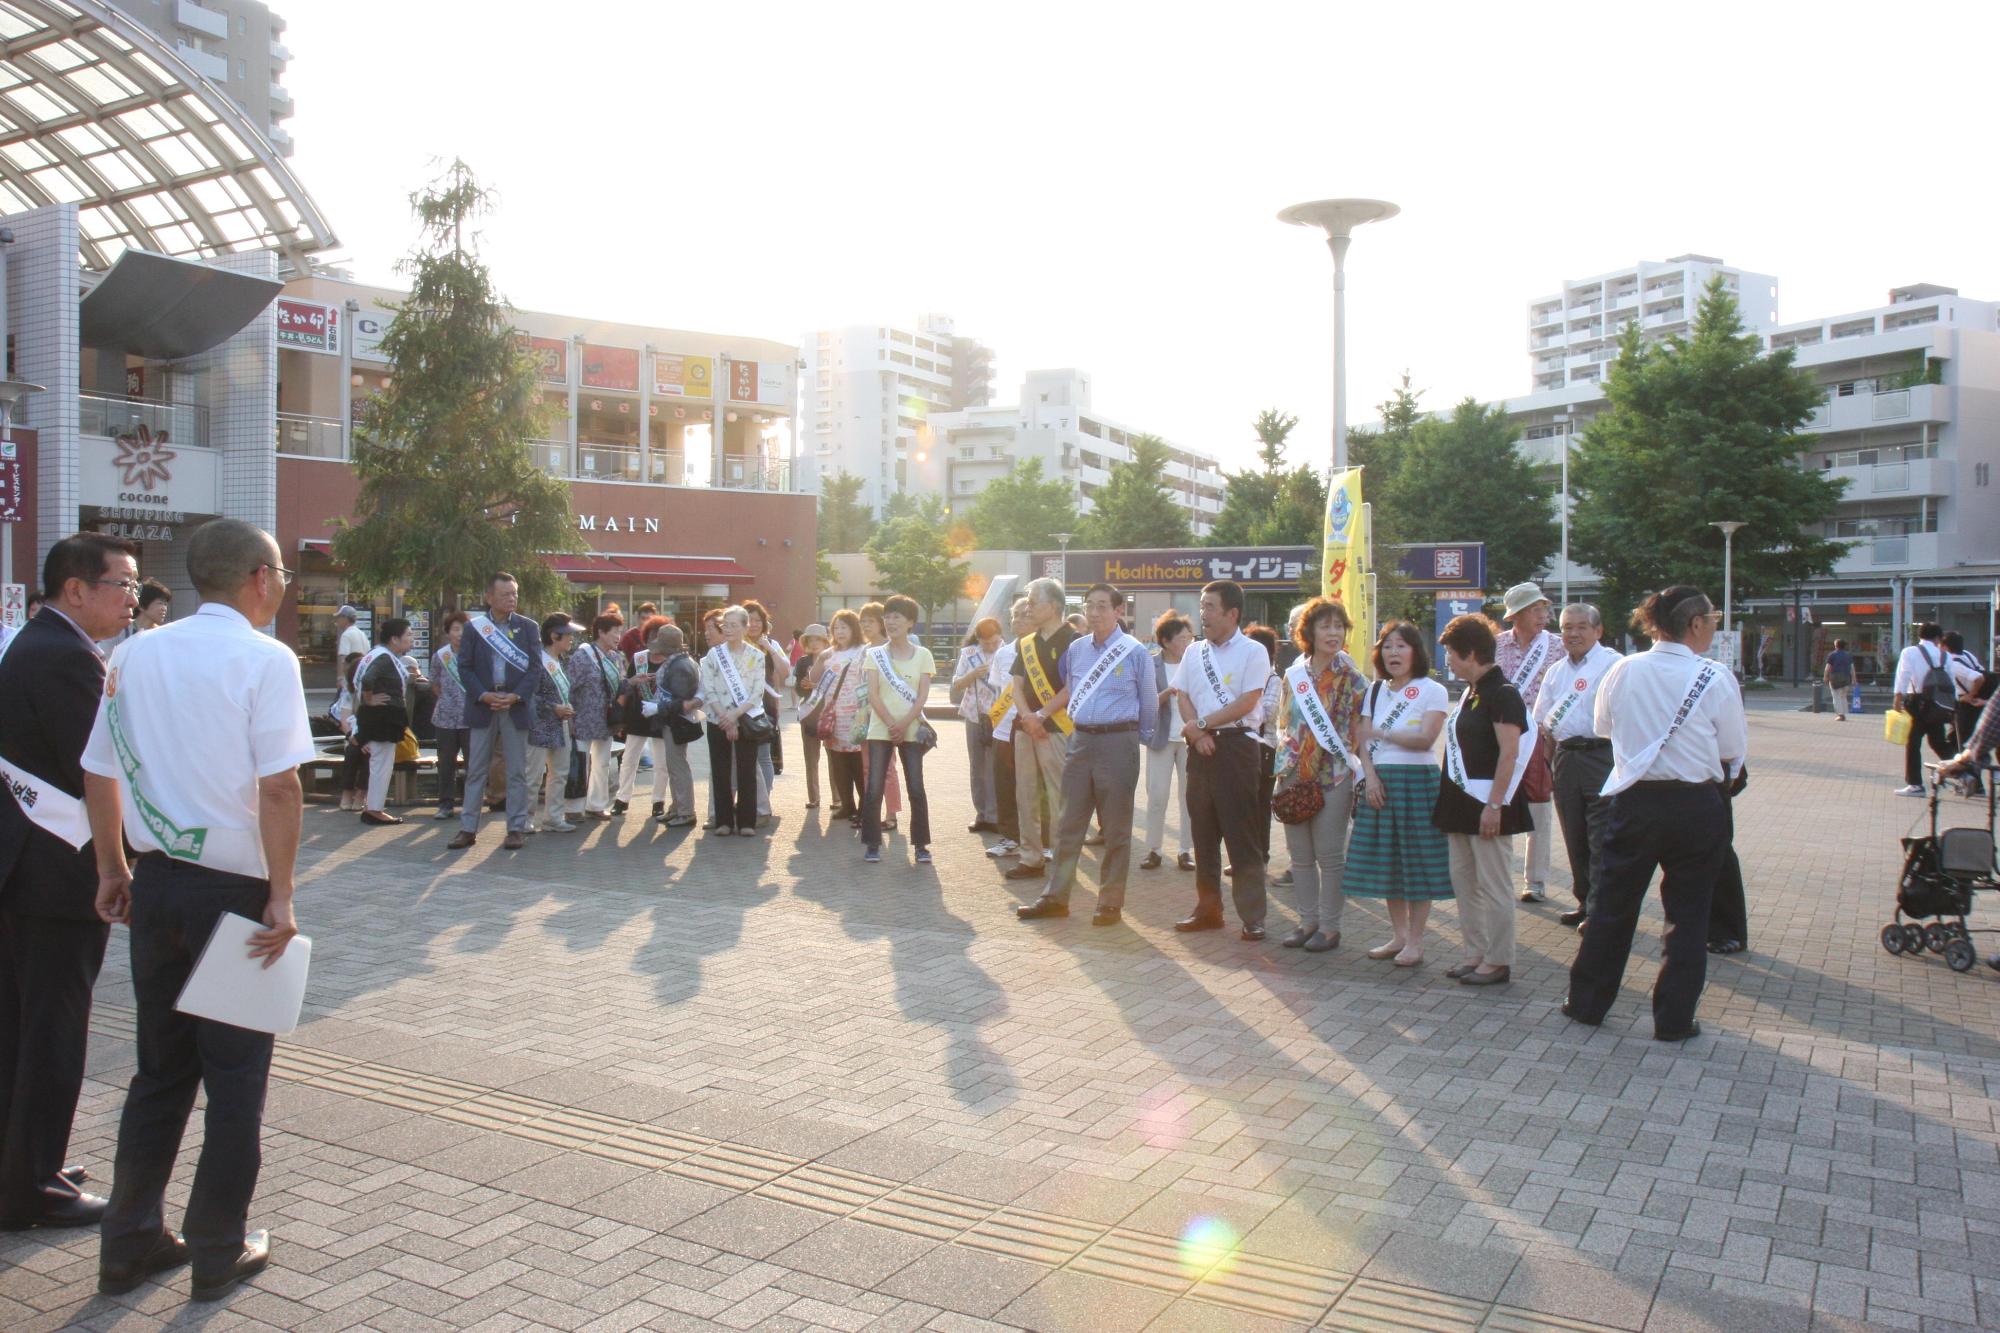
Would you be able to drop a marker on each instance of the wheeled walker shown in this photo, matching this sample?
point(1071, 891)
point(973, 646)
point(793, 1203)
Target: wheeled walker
point(1941, 872)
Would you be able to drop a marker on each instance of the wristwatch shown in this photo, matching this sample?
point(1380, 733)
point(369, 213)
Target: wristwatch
point(1201, 724)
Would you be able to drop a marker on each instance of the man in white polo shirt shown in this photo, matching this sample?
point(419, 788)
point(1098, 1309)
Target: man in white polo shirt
point(196, 751)
point(1564, 714)
point(1220, 693)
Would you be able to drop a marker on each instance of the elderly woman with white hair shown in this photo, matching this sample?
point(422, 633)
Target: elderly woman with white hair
point(732, 690)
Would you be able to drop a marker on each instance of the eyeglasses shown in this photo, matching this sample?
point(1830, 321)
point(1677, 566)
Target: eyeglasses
point(130, 587)
point(285, 576)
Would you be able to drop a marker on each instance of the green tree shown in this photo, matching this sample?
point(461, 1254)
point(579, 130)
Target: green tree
point(1700, 429)
point(1380, 454)
point(1249, 496)
point(1020, 511)
point(824, 574)
point(1462, 479)
point(917, 555)
point(902, 504)
point(450, 487)
point(1134, 509)
point(844, 522)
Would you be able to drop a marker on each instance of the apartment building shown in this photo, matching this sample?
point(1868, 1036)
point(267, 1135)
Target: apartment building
point(1055, 422)
point(1573, 334)
point(868, 391)
point(1910, 419)
point(237, 45)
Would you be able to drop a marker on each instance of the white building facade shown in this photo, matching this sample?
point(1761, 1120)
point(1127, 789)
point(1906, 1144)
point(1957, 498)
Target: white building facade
point(1573, 333)
point(867, 394)
point(1910, 419)
point(1055, 423)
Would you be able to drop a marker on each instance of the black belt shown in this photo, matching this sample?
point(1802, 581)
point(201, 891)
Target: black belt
point(1229, 731)
point(1107, 729)
point(1583, 743)
point(1662, 784)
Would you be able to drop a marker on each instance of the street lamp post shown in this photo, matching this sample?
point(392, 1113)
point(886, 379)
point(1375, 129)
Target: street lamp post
point(1338, 218)
point(1562, 434)
point(1729, 528)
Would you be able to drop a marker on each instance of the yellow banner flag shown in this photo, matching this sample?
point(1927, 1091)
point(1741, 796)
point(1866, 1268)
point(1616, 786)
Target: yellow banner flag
point(1344, 560)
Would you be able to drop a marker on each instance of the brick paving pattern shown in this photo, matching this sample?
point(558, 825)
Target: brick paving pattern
point(636, 1078)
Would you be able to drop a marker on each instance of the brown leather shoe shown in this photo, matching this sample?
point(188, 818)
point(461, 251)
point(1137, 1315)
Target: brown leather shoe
point(461, 841)
point(1499, 976)
point(1198, 922)
point(513, 842)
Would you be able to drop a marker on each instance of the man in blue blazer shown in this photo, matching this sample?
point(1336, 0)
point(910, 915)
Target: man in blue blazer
point(51, 940)
point(500, 661)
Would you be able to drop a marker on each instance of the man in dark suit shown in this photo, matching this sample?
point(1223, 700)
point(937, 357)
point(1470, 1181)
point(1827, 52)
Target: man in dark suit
point(500, 661)
point(51, 940)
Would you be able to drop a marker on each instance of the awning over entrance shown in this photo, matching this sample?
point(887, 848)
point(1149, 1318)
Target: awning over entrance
point(154, 306)
point(687, 568)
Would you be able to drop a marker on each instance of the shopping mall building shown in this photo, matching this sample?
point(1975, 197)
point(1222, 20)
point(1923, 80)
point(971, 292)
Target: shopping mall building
point(176, 358)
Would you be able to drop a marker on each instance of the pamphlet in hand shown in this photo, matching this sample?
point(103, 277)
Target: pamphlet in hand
point(229, 986)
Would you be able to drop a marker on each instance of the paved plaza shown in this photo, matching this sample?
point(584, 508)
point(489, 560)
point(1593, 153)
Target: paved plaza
point(638, 1078)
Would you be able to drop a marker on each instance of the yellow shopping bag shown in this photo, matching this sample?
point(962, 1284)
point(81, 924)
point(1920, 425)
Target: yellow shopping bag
point(1896, 727)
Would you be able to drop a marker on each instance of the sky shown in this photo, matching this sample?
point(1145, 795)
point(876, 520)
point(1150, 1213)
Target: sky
point(1095, 185)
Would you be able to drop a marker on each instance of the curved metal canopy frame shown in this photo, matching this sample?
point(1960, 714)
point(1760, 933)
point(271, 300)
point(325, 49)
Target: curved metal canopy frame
point(100, 112)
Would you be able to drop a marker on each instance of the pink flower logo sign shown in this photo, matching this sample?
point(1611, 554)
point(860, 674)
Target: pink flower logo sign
point(143, 458)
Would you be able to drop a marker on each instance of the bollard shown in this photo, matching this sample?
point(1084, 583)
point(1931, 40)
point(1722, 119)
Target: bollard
point(1819, 702)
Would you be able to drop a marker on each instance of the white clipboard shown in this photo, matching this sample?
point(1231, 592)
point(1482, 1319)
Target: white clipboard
point(229, 986)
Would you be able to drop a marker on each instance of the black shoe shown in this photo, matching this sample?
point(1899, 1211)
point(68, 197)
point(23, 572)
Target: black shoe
point(80, 1210)
point(1725, 946)
point(1152, 861)
point(255, 1258)
point(1252, 933)
point(1041, 907)
point(1693, 1030)
point(620, 807)
point(1196, 922)
point(659, 808)
point(1027, 872)
point(75, 1175)
point(982, 826)
point(1572, 918)
point(1185, 861)
point(1569, 1012)
point(117, 1279)
point(1108, 916)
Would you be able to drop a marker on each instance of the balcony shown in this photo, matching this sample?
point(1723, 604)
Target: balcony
point(743, 473)
point(607, 462)
point(109, 417)
point(1543, 318)
point(201, 18)
point(1863, 411)
point(1875, 555)
point(1918, 476)
point(280, 53)
point(310, 437)
point(551, 456)
point(213, 68)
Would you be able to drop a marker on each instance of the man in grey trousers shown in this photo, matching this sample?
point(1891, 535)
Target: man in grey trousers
point(500, 661)
point(1112, 702)
point(678, 689)
point(1563, 713)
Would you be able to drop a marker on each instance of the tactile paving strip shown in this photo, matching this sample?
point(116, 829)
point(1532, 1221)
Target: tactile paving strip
point(1249, 1282)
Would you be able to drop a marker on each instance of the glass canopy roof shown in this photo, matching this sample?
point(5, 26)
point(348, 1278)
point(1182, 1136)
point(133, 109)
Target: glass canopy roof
point(97, 111)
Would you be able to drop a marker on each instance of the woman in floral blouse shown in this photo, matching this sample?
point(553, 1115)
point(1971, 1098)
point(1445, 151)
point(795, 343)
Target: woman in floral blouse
point(1322, 698)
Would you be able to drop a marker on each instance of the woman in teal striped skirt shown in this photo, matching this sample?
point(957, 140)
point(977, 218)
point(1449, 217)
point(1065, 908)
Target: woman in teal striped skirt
point(1395, 853)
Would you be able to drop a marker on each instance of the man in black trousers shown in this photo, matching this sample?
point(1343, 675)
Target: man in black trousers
point(51, 942)
point(195, 752)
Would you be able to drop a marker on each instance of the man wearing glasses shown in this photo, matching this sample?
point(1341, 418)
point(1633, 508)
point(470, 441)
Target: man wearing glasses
point(196, 750)
point(51, 941)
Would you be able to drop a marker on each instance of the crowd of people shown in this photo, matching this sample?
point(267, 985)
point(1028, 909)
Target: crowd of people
point(1382, 785)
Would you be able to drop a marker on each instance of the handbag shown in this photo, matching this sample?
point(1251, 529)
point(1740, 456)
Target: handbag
point(926, 734)
point(406, 749)
point(1299, 802)
point(757, 728)
point(1896, 727)
point(1539, 782)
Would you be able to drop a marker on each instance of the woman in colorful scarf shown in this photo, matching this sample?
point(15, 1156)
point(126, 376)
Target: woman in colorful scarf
point(1321, 698)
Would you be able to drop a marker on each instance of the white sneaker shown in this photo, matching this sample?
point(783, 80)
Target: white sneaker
point(1004, 847)
point(558, 826)
point(1910, 791)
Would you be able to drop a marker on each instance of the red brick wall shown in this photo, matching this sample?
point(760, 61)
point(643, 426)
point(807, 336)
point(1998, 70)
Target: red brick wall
point(691, 522)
